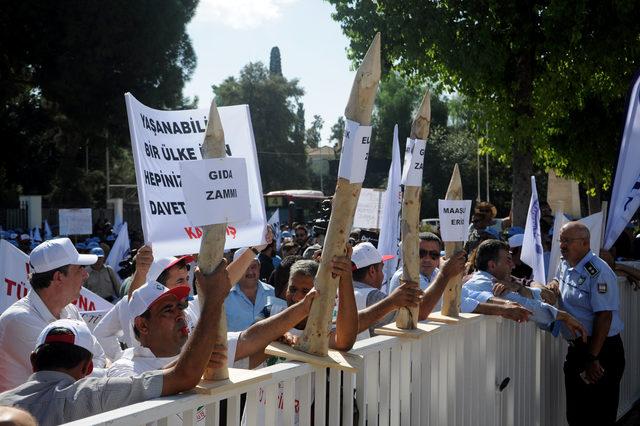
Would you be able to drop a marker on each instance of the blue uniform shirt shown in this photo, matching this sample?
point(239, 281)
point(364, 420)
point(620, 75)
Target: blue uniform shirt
point(241, 313)
point(479, 289)
point(589, 287)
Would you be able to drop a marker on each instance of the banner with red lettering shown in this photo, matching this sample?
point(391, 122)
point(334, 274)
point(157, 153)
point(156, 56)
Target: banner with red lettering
point(161, 140)
point(14, 272)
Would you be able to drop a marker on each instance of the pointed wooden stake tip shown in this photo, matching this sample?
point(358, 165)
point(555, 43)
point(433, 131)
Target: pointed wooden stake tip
point(422, 121)
point(365, 85)
point(454, 192)
point(213, 144)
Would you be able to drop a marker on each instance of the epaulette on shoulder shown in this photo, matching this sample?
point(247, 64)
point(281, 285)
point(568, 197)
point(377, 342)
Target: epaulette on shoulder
point(591, 269)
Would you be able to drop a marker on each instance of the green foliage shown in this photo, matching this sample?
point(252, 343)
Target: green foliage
point(64, 68)
point(277, 118)
point(535, 71)
point(337, 130)
point(313, 136)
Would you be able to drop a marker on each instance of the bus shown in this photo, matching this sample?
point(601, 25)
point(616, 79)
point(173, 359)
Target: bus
point(295, 205)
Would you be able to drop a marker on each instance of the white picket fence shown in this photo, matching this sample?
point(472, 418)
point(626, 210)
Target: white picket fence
point(451, 375)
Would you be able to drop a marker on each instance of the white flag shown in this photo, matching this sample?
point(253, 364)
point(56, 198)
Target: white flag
point(121, 248)
point(389, 240)
point(274, 223)
point(36, 235)
point(532, 252)
point(625, 196)
point(47, 231)
point(554, 257)
point(594, 223)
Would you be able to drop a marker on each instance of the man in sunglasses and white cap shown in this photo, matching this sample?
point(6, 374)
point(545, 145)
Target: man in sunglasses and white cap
point(59, 391)
point(58, 271)
point(374, 307)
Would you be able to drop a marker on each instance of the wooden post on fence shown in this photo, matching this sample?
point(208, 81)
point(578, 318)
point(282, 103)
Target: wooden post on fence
point(451, 297)
point(214, 236)
point(315, 339)
point(407, 318)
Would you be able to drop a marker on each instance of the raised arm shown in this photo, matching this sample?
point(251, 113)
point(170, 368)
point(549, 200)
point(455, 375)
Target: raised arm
point(347, 321)
point(191, 363)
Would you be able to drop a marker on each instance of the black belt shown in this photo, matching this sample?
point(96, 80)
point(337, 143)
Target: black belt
point(578, 342)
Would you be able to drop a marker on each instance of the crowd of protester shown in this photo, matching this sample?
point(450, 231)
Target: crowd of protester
point(155, 342)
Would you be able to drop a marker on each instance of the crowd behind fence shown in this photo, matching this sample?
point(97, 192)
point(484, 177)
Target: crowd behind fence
point(481, 370)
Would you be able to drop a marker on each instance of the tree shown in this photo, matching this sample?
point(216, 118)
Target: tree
point(275, 67)
point(337, 131)
point(530, 68)
point(276, 115)
point(313, 136)
point(64, 68)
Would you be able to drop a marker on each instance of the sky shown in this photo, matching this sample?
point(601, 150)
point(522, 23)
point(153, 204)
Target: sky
point(228, 34)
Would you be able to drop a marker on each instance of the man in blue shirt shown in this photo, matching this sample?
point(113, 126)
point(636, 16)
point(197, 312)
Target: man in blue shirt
point(588, 289)
point(494, 266)
point(248, 297)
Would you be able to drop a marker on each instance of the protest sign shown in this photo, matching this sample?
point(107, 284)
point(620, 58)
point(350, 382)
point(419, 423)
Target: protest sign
point(274, 223)
point(414, 162)
point(369, 209)
point(355, 152)
point(14, 273)
point(160, 141)
point(454, 219)
point(216, 191)
point(75, 222)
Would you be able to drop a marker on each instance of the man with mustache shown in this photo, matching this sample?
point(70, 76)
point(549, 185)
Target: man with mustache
point(588, 289)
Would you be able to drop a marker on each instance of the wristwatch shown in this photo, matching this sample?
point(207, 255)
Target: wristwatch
point(591, 357)
point(255, 250)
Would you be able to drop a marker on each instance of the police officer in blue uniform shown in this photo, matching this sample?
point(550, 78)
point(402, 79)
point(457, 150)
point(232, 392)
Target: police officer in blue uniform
point(587, 288)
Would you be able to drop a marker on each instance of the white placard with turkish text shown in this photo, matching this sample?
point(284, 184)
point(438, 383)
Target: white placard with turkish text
point(75, 222)
point(454, 219)
point(355, 152)
point(216, 191)
point(14, 273)
point(414, 162)
point(160, 141)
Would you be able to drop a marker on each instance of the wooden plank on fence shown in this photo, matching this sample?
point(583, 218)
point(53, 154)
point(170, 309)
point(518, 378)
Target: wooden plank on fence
point(420, 330)
point(334, 359)
point(237, 377)
point(439, 317)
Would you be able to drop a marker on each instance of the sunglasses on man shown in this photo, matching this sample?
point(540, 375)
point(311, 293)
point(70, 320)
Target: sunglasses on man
point(433, 254)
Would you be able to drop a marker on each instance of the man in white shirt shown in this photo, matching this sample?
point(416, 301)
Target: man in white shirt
point(58, 274)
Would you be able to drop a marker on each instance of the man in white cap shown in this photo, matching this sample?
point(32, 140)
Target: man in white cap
point(59, 391)
point(374, 307)
point(57, 276)
point(249, 296)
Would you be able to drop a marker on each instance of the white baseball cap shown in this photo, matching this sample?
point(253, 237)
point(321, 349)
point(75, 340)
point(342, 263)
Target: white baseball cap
point(240, 252)
point(365, 254)
point(159, 266)
point(58, 252)
point(78, 334)
point(516, 240)
point(150, 293)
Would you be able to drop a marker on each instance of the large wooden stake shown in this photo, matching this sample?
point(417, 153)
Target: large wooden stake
point(315, 339)
point(214, 236)
point(407, 318)
point(451, 297)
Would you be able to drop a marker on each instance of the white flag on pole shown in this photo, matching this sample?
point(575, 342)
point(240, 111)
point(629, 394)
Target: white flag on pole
point(36, 235)
point(625, 196)
point(532, 252)
point(554, 256)
point(389, 240)
point(120, 249)
point(47, 231)
point(274, 223)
